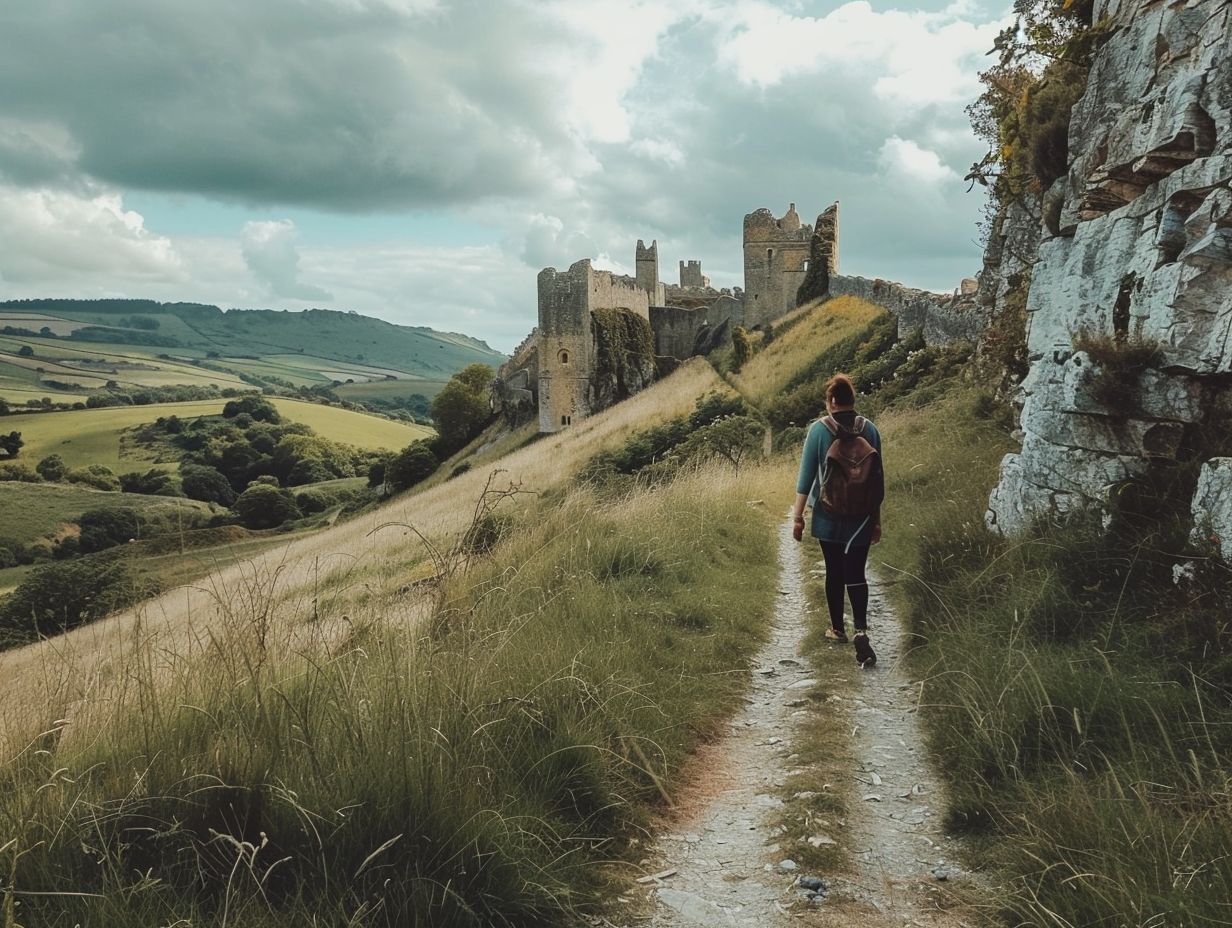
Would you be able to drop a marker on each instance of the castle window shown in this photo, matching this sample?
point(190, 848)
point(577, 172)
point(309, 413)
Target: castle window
point(769, 257)
point(566, 420)
point(564, 357)
point(805, 266)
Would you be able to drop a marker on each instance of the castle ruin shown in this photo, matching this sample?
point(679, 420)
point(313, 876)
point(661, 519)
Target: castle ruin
point(601, 336)
point(776, 259)
point(562, 369)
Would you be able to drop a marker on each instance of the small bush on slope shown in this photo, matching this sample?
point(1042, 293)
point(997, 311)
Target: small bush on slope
point(375, 769)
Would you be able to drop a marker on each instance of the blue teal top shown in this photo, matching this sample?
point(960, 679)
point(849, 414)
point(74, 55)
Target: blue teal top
point(855, 533)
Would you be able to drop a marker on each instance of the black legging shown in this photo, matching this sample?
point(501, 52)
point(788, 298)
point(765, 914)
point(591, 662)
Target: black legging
point(845, 571)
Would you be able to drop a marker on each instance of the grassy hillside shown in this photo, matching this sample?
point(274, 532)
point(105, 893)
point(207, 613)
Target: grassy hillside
point(46, 507)
point(138, 343)
point(97, 436)
point(810, 332)
point(508, 746)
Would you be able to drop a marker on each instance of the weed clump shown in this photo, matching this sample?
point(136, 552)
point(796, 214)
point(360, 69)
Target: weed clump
point(1120, 362)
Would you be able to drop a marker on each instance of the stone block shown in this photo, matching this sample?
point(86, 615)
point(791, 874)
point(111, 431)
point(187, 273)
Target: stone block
point(1212, 507)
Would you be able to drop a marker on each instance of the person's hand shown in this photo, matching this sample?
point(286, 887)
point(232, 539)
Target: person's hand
point(797, 529)
point(876, 534)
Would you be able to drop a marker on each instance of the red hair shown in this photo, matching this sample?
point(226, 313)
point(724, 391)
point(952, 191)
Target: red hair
point(841, 390)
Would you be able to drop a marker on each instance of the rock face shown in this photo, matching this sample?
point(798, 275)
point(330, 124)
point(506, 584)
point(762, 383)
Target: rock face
point(1142, 252)
point(1212, 507)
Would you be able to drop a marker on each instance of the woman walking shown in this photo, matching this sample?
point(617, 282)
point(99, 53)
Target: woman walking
point(841, 477)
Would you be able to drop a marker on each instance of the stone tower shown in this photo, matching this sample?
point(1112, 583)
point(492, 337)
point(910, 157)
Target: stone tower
point(825, 237)
point(691, 275)
point(565, 342)
point(776, 256)
point(646, 261)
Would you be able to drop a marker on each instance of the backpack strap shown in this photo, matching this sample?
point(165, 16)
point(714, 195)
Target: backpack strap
point(831, 425)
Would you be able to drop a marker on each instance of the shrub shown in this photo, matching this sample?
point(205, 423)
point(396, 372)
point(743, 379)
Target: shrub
point(206, 484)
point(415, 463)
point(108, 527)
point(67, 594)
point(262, 506)
point(94, 475)
point(742, 347)
point(255, 407)
point(14, 472)
point(309, 470)
point(51, 468)
point(153, 482)
point(7, 558)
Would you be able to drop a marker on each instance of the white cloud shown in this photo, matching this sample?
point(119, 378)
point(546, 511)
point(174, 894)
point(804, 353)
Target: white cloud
point(58, 239)
point(268, 247)
point(910, 57)
point(913, 162)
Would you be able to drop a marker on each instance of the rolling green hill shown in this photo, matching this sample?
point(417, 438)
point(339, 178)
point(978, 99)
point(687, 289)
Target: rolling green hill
point(96, 436)
point(75, 346)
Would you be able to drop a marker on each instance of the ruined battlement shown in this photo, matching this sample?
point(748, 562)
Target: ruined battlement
point(776, 259)
point(691, 275)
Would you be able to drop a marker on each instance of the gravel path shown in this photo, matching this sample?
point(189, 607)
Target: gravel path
point(721, 863)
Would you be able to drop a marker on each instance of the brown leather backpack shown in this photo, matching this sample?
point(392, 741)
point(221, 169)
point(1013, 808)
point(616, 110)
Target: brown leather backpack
point(850, 476)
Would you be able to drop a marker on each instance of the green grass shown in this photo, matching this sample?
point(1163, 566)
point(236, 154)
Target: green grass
point(95, 436)
point(494, 764)
point(32, 510)
point(1078, 699)
point(389, 389)
point(352, 428)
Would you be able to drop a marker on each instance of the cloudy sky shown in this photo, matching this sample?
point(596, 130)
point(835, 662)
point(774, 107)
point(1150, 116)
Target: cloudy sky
point(420, 160)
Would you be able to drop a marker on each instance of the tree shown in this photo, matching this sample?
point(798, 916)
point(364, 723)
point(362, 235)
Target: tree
point(25, 351)
point(106, 528)
point(742, 347)
point(461, 410)
point(52, 468)
point(153, 482)
point(64, 595)
point(733, 439)
point(11, 444)
point(415, 463)
point(260, 409)
point(206, 484)
point(262, 506)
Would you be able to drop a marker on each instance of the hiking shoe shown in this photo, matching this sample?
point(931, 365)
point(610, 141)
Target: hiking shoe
point(865, 655)
point(835, 635)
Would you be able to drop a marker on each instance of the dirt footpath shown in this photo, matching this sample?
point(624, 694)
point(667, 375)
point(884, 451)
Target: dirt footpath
point(723, 862)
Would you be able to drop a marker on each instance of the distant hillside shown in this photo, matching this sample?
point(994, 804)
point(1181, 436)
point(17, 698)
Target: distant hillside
point(342, 336)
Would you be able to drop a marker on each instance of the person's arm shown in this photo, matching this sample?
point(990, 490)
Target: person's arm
point(877, 514)
point(805, 481)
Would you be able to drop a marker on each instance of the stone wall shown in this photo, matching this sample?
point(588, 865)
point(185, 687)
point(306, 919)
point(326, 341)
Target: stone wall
point(1140, 249)
point(945, 318)
point(682, 332)
point(776, 256)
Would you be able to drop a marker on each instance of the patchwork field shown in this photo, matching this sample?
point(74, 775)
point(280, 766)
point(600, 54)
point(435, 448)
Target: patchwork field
point(141, 344)
point(93, 436)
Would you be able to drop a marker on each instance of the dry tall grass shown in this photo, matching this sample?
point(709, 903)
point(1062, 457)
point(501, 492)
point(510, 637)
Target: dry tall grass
point(304, 760)
point(823, 324)
point(353, 562)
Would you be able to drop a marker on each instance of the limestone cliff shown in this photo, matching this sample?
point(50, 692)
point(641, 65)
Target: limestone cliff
point(1137, 251)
